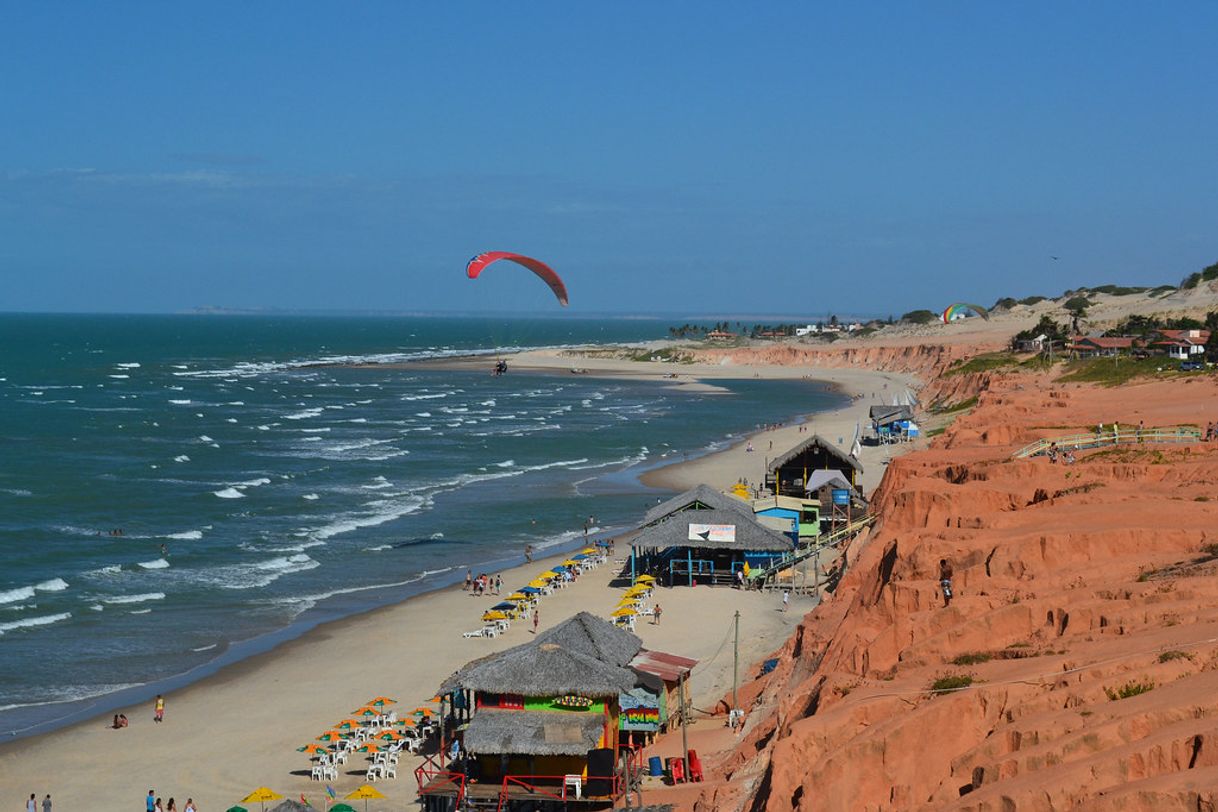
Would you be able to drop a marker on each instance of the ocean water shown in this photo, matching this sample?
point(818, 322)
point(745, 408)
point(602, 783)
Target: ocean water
point(261, 487)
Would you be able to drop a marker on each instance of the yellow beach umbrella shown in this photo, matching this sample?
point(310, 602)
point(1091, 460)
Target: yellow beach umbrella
point(516, 596)
point(645, 579)
point(547, 576)
point(623, 612)
point(570, 562)
point(634, 593)
point(366, 791)
point(588, 550)
point(494, 615)
point(538, 583)
point(262, 795)
point(627, 602)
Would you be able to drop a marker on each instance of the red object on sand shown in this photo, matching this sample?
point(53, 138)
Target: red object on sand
point(695, 766)
point(677, 768)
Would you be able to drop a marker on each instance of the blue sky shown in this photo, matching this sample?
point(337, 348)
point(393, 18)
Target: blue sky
point(670, 156)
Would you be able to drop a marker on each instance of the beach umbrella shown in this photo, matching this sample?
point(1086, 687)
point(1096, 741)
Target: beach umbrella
point(368, 747)
point(579, 557)
point(588, 551)
point(558, 570)
point(504, 606)
point(342, 808)
point(348, 724)
point(518, 598)
point(570, 562)
point(629, 602)
point(312, 749)
point(645, 579)
point(262, 795)
point(623, 612)
point(236, 809)
point(381, 701)
point(391, 735)
point(331, 736)
point(423, 711)
point(366, 791)
point(494, 615)
point(367, 710)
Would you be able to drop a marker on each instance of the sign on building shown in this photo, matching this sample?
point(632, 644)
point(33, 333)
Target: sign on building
point(640, 710)
point(712, 532)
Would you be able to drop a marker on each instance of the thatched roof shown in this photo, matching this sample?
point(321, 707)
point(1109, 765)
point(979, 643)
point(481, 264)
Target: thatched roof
point(883, 415)
point(542, 669)
point(699, 497)
point(812, 443)
point(750, 534)
point(533, 733)
point(590, 635)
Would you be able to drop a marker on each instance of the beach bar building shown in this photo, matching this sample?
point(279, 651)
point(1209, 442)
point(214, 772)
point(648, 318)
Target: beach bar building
point(790, 473)
point(687, 541)
point(546, 720)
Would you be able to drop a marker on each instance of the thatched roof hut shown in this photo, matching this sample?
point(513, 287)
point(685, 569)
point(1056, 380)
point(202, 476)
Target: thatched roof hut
point(699, 497)
point(543, 669)
point(751, 535)
point(533, 733)
point(590, 635)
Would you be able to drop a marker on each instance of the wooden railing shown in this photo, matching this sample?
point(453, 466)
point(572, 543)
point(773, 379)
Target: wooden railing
point(814, 546)
point(552, 786)
point(1110, 437)
point(432, 777)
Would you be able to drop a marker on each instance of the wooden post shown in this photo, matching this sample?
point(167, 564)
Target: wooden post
point(689, 563)
point(736, 664)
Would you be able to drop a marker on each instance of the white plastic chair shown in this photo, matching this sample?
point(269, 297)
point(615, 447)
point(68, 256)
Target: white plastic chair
point(576, 782)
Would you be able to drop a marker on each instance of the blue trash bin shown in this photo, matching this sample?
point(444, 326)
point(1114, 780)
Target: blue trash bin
point(655, 766)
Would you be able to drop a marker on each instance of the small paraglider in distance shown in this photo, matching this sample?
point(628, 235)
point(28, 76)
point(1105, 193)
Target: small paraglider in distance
point(481, 262)
point(958, 309)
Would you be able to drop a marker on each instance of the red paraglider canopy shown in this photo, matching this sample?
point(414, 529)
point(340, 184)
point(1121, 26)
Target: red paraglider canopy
point(479, 263)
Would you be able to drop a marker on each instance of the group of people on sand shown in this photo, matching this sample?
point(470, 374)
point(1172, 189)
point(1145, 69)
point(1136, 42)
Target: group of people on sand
point(32, 804)
point(153, 804)
point(1067, 456)
point(483, 584)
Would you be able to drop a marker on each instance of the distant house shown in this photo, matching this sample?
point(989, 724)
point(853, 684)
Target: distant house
point(854, 326)
point(1032, 344)
point(1182, 345)
point(1102, 346)
point(808, 330)
point(893, 423)
point(720, 335)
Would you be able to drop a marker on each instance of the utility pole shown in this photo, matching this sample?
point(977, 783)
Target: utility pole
point(684, 723)
point(736, 664)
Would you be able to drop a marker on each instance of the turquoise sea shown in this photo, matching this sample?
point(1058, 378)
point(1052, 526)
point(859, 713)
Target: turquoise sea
point(178, 492)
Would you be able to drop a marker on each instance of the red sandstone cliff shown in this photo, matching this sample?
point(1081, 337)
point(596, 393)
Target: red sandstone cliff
point(1075, 585)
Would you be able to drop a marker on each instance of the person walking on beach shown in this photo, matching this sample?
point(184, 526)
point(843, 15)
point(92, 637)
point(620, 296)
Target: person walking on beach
point(171, 806)
point(46, 803)
point(655, 618)
point(469, 579)
point(31, 805)
point(536, 619)
point(528, 553)
point(945, 581)
point(786, 599)
point(190, 806)
point(159, 714)
point(150, 802)
point(498, 583)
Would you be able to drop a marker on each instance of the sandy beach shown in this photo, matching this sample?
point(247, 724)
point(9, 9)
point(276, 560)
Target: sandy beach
point(239, 729)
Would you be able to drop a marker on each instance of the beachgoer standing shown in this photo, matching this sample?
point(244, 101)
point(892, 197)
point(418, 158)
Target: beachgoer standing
point(150, 802)
point(159, 714)
point(171, 806)
point(31, 805)
point(190, 806)
point(469, 579)
point(536, 619)
point(656, 617)
point(46, 803)
point(528, 553)
point(157, 807)
point(786, 599)
point(945, 580)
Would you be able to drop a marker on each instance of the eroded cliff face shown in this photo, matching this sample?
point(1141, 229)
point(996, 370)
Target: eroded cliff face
point(1086, 616)
point(926, 360)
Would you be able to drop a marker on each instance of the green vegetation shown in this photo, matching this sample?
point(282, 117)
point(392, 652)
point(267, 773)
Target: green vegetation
point(1129, 689)
point(1175, 654)
point(1032, 300)
point(1005, 303)
point(1078, 305)
point(958, 407)
point(670, 355)
point(1119, 290)
point(1114, 371)
point(1204, 275)
point(973, 658)
point(935, 432)
point(1163, 289)
point(951, 682)
point(1046, 327)
point(919, 317)
point(982, 363)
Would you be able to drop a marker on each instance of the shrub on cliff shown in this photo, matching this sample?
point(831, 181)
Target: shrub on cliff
point(1129, 689)
point(919, 317)
point(951, 682)
point(1204, 275)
